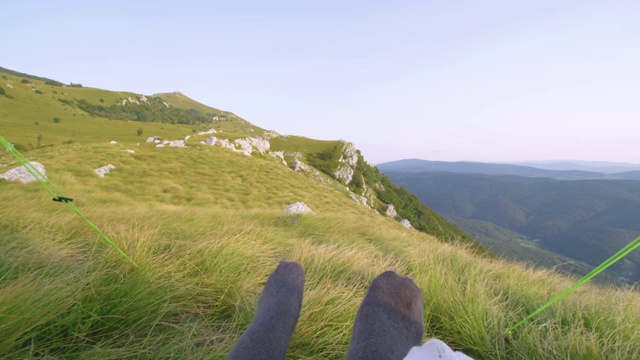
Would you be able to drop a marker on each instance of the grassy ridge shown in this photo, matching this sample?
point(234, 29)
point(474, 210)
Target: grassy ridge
point(205, 226)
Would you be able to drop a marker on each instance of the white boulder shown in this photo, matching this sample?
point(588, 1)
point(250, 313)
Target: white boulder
point(297, 208)
point(21, 174)
point(406, 223)
point(177, 143)
point(101, 171)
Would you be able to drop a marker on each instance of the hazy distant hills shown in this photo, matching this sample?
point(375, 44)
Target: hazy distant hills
point(605, 167)
point(585, 219)
point(562, 171)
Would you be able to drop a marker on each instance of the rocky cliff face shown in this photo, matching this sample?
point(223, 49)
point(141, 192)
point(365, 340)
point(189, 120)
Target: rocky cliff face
point(347, 163)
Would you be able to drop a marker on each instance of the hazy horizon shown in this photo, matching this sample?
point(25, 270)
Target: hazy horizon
point(481, 81)
point(536, 162)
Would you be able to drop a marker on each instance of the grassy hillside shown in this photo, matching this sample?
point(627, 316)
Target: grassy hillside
point(586, 220)
point(205, 225)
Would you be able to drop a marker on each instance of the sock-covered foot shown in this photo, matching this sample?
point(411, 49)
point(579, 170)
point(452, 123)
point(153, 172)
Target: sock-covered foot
point(390, 319)
point(278, 309)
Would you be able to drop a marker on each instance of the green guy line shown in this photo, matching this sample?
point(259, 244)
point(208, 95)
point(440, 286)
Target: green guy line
point(58, 194)
point(606, 264)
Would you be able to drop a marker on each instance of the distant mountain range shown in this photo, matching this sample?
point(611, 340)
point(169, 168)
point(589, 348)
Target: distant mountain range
point(517, 211)
point(556, 170)
point(605, 167)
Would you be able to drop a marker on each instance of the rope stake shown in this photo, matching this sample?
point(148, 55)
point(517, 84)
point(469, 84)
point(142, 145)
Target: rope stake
point(58, 195)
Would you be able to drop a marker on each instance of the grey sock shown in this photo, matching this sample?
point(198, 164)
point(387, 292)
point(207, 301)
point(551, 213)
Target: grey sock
point(268, 335)
point(390, 320)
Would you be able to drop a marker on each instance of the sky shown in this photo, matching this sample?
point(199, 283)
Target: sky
point(494, 81)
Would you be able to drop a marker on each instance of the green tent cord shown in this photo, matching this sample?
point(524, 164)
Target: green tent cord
point(58, 195)
point(606, 264)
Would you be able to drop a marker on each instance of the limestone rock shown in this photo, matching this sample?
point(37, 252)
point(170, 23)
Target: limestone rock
point(245, 146)
point(210, 131)
point(297, 208)
point(406, 223)
point(101, 171)
point(349, 154)
point(344, 173)
point(129, 151)
point(278, 155)
point(21, 174)
point(300, 166)
point(270, 134)
point(348, 162)
point(177, 143)
point(113, 142)
point(391, 212)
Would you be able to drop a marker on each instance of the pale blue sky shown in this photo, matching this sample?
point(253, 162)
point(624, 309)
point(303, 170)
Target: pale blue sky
point(438, 80)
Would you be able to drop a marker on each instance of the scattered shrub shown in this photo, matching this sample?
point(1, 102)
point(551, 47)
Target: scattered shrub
point(139, 131)
point(68, 142)
point(38, 91)
point(56, 120)
point(25, 81)
point(101, 100)
point(75, 85)
point(2, 91)
point(53, 83)
point(39, 141)
point(66, 102)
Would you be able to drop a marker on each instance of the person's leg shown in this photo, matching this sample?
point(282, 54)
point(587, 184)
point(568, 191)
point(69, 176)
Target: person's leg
point(278, 309)
point(390, 320)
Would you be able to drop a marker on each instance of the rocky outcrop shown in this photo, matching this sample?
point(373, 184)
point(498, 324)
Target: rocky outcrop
point(406, 223)
point(344, 173)
point(299, 166)
point(22, 175)
point(129, 100)
point(245, 146)
point(278, 155)
point(347, 163)
point(297, 208)
point(391, 212)
point(103, 170)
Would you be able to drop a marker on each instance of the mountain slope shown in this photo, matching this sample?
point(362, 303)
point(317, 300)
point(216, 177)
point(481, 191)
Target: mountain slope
point(205, 225)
